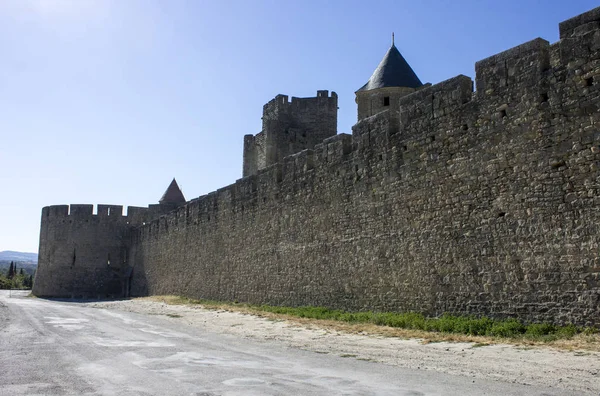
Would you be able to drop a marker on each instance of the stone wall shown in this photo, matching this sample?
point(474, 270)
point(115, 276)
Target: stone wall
point(375, 101)
point(254, 153)
point(471, 202)
point(290, 126)
point(456, 201)
point(84, 255)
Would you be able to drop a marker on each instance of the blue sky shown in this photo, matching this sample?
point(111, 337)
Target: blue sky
point(105, 101)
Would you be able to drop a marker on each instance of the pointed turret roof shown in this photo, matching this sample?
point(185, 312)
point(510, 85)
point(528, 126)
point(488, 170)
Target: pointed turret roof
point(173, 195)
point(393, 71)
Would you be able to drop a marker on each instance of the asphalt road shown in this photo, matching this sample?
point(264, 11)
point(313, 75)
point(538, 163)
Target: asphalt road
point(66, 348)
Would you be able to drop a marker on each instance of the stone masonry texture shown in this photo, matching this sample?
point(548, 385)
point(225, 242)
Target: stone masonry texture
point(481, 202)
point(290, 127)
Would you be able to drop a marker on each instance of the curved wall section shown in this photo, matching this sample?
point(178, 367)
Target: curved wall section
point(82, 254)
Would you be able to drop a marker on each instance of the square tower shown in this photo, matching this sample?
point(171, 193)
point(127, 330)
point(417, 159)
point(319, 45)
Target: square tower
point(290, 127)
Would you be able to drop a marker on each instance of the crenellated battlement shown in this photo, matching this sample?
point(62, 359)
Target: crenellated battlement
point(476, 198)
point(522, 74)
point(509, 68)
point(581, 24)
point(284, 103)
point(135, 214)
point(289, 127)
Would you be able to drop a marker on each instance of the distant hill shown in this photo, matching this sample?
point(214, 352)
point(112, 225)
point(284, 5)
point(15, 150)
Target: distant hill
point(27, 261)
point(9, 255)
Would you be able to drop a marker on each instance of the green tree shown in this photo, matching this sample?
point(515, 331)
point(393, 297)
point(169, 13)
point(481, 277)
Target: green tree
point(21, 272)
point(11, 271)
point(5, 283)
point(28, 282)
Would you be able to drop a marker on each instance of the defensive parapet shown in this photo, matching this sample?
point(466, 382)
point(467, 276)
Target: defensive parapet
point(290, 127)
point(82, 254)
point(452, 200)
point(449, 200)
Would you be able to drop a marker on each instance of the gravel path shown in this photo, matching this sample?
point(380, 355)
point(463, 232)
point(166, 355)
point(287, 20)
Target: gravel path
point(4, 315)
point(576, 370)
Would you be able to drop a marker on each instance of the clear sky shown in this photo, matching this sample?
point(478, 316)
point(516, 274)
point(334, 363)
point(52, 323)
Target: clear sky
point(105, 101)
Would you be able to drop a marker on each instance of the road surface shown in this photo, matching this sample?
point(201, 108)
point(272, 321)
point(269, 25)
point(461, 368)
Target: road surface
point(67, 348)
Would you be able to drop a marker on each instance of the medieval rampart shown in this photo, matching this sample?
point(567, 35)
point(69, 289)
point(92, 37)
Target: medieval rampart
point(83, 254)
point(290, 126)
point(457, 201)
point(453, 200)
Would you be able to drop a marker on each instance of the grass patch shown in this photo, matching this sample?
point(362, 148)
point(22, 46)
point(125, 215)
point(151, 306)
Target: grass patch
point(468, 325)
point(451, 326)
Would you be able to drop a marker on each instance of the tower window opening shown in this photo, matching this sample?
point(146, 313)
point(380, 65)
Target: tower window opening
point(386, 101)
point(108, 260)
point(589, 81)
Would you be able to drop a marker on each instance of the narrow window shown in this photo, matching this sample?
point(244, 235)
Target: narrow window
point(386, 100)
point(502, 113)
point(589, 81)
point(108, 212)
point(544, 97)
point(465, 127)
point(108, 260)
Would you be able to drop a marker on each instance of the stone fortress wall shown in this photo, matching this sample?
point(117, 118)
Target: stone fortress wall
point(290, 126)
point(83, 254)
point(451, 200)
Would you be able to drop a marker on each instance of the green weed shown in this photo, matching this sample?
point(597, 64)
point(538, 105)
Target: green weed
point(446, 323)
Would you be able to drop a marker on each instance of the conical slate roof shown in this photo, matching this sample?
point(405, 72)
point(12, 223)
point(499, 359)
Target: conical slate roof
point(173, 195)
point(393, 71)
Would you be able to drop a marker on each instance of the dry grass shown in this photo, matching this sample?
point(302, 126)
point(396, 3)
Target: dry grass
point(579, 342)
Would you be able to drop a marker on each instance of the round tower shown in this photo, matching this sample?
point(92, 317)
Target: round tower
point(393, 79)
point(81, 254)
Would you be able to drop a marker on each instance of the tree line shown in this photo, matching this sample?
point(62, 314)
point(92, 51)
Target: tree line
point(15, 278)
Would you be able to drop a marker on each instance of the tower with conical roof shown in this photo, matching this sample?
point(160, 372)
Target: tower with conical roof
point(393, 79)
point(173, 195)
point(170, 200)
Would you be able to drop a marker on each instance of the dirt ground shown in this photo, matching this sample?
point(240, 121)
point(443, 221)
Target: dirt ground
point(532, 365)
